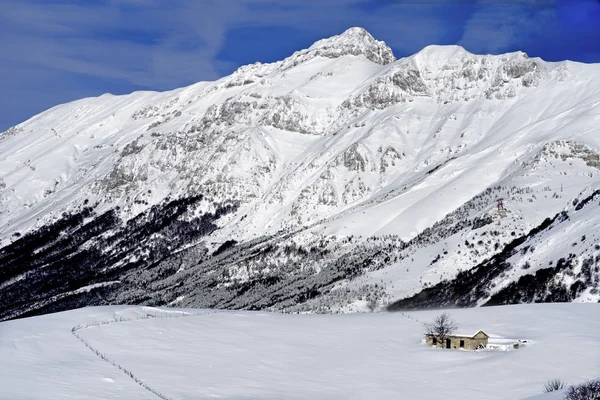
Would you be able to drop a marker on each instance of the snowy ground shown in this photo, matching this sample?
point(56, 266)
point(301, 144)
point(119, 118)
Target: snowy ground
point(257, 355)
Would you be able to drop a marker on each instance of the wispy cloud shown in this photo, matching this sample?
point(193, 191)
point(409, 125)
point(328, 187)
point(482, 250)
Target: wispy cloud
point(112, 41)
point(500, 27)
point(551, 29)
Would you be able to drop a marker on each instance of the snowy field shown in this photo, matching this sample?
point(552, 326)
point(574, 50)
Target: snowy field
point(258, 355)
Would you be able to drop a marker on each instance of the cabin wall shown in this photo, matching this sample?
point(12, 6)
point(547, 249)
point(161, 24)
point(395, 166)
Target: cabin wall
point(469, 343)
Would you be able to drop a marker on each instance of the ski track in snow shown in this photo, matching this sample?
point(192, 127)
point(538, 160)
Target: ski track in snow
point(161, 314)
point(164, 314)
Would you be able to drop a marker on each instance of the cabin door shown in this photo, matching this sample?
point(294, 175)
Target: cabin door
point(448, 343)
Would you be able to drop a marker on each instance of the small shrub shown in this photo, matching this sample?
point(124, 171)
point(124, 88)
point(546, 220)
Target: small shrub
point(554, 385)
point(372, 303)
point(585, 391)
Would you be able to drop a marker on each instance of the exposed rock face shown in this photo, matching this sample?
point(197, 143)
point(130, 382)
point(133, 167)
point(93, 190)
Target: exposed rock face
point(355, 158)
point(355, 41)
point(448, 75)
point(388, 159)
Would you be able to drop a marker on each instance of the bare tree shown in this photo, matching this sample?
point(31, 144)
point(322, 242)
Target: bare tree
point(553, 385)
point(442, 327)
point(372, 303)
point(586, 391)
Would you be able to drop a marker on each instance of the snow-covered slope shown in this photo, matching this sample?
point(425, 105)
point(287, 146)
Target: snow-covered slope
point(336, 153)
point(149, 353)
point(542, 266)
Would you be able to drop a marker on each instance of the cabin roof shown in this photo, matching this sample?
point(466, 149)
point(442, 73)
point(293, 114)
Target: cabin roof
point(469, 335)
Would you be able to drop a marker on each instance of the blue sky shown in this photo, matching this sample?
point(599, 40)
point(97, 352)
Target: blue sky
point(54, 51)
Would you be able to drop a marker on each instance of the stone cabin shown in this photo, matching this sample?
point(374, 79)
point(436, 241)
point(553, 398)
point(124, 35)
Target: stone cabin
point(459, 341)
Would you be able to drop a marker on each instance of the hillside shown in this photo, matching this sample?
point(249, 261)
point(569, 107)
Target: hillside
point(531, 268)
point(336, 178)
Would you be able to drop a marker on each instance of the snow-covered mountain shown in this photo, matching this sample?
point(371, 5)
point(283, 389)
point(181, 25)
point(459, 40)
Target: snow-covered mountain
point(336, 178)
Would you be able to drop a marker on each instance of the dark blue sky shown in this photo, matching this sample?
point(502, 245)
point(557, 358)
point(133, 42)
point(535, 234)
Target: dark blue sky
point(54, 51)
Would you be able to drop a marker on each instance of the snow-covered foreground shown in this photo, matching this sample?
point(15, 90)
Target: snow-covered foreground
point(258, 355)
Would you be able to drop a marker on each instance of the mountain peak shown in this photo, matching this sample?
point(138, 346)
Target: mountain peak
point(441, 53)
point(355, 41)
point(443, 48)
point(355, 32)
